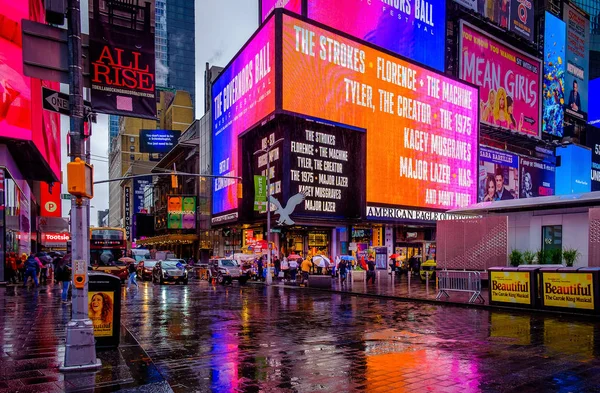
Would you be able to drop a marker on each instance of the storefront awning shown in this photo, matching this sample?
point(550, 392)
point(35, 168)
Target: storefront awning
point(168, 240)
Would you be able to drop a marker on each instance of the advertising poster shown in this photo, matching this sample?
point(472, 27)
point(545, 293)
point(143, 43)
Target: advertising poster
point(158, 141)
point(101, 312)
point(267, 6)
point(416, 30)
point(122, 62)
point(577, 59)
point(593, 142)
point(537, 177)
point(260, 193)
point(421, 126)
point(21, 113)
point(553, 95)
point(181, 211)
point(514, 15)
point(568, 290)
point(243, 95)
point(510, 287)
point(498, 175)
point(573, 173)
point(509, 81)
point(594, 103)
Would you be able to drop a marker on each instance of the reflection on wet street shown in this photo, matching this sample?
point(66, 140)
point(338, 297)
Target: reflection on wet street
point(227, 339)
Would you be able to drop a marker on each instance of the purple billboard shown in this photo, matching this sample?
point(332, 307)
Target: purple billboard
point(416, 30)
point(242, 96)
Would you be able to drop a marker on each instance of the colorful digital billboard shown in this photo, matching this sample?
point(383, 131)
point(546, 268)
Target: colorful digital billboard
point(498, 175)
point(416, 30)
point(537, 177)
point(553, 95)
point(577, 60)
point(267, 6)
point(573, 169)
point(158, 141)
point(593, 142)
point(514, 15)
point(21, 113)
point(243, 95)
point(421, 127)
point(181, 212)
point(509, 81)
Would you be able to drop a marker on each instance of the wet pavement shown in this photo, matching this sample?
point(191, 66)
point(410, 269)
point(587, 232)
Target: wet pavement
point(209, 338)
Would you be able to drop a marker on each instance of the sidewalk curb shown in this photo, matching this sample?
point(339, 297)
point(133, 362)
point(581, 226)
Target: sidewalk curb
point(486, 307)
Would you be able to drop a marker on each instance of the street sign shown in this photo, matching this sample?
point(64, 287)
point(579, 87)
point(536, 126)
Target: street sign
point(275, 230)
point(56, 101)
point(65, 196)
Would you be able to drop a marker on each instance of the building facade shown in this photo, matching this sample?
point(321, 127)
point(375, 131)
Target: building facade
point(181, 46)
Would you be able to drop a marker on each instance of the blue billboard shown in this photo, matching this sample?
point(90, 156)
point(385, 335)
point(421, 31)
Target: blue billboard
point(553, 96)
point(416, 30)
point(577, 61)
point(573, 169)
point(594, 101)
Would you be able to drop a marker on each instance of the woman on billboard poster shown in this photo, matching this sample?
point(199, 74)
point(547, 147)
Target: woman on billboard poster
point(500, 112)
point(490, 189)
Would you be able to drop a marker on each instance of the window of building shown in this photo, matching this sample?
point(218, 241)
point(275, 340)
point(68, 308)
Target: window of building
point(131, 139)
point(132, 157)
point(132, 148)
point(551, 239)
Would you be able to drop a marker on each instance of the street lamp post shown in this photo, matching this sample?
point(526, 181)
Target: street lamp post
point(267, 151)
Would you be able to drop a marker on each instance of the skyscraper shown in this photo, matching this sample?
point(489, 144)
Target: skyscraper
point(181, 53)
point(113, 129)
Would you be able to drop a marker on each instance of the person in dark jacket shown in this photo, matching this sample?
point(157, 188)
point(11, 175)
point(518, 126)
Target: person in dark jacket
point(371, 270)
point(32, 268)
point(63, 276)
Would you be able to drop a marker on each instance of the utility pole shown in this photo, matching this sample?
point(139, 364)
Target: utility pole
point(267, 150)
point(80, 347)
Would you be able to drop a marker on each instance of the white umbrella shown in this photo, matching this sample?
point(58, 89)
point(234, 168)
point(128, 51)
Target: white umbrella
point(321, 261)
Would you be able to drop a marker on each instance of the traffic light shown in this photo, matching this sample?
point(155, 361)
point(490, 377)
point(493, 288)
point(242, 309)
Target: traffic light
point(80, 179)
point(174, 182)
point(240, 190)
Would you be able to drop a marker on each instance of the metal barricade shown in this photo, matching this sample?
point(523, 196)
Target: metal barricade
point(459, 281)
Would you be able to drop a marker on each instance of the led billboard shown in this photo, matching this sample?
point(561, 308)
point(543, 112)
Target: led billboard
point(21, 113)
point(498, 175)
point(594, 107)
point(553, 96)
point(421, 127)
point(243, 95)
point(537, 177)
point(593, 142)
point(577, 59)
point(514, 15)
point(416, 29)
point(573, 172)
point(509, 81)
point(181, 212)
point(158, 141)
point(267, 6)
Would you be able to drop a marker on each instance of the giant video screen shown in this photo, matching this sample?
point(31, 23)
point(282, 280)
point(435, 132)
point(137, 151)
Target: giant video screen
point(21, 113)
point(421, 126)
point(509, 81)
point(242, 96)
point(553, 97)
point(416, 29)
point(577, 60)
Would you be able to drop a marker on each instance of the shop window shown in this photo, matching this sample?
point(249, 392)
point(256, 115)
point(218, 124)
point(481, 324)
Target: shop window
point(551, 238)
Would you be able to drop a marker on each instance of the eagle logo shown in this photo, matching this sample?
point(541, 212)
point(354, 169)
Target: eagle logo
point(285, 212)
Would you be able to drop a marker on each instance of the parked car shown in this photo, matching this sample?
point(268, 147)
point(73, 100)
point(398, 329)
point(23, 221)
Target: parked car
point(144, 269)
point(116, 268)
point(169, 271)
point(226, 270)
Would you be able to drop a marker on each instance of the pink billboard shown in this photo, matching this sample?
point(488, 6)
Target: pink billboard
point(509, 81)
point(267, 6)
point(243, 95)
point(21, 113)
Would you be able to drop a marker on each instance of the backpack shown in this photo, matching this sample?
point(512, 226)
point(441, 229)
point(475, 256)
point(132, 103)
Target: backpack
point(31, 264)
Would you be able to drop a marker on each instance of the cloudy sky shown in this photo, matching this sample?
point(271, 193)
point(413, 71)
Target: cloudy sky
point(222, 27)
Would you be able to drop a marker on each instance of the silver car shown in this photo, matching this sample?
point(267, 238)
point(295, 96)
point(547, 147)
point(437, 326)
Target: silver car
point(226, 270)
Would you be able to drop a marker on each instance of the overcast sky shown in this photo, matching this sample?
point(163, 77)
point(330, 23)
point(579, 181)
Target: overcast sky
point(222, 27)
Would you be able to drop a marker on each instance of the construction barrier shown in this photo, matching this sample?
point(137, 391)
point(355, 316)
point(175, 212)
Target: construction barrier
point(459, 281)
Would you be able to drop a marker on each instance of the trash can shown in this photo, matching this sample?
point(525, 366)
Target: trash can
point(104, 308)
